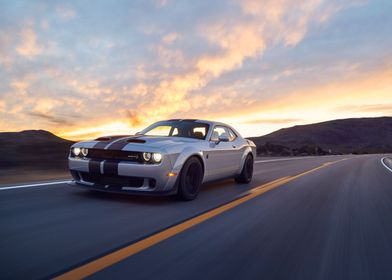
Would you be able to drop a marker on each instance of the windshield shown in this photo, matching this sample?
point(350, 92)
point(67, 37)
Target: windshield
point(189, 129)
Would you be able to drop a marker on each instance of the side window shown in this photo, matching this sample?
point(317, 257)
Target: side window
point(233, 136)
point(199, 132)
point(174, 132)
point(221, 130)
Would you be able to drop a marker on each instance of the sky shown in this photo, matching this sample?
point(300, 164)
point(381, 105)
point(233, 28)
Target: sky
point(86, 68)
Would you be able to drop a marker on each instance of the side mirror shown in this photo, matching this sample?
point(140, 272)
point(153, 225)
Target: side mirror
point(222, 138)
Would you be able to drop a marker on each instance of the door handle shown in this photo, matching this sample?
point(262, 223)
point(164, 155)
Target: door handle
point(234, 146)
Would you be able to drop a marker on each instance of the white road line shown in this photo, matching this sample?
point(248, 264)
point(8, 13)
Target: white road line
point(33, 185)
point(386, 166)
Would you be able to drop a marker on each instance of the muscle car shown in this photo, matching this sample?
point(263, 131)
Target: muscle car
point(172, 157)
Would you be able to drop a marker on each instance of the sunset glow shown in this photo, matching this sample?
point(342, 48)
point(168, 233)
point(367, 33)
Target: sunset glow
point(82, 70)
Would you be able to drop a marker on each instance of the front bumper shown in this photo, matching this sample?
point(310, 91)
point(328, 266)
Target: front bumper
point(122, 176)
point(114, 189)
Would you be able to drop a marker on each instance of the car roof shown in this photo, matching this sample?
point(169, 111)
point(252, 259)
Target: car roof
point(212, 123)
point(196, 120)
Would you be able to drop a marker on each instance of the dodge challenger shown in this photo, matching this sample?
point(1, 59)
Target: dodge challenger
point(172, 157)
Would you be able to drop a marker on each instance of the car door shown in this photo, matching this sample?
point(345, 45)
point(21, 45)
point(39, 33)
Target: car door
point(237, 144)
point(223, 158)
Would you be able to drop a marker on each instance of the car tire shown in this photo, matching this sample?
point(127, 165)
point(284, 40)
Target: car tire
point(247, 171)
point(190, 179)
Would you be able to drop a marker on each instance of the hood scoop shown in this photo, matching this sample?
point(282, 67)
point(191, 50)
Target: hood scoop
point(109, 138)
point(103, 139)
point(135, 140)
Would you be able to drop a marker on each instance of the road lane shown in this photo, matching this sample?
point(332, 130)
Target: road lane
point(34, 185)
point(334, 223)
point(81, 225)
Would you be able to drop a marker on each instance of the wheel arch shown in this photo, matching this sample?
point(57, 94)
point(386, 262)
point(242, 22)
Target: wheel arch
point(186, 154)
point(196, 155)
point(200, 158)
point(247, 151)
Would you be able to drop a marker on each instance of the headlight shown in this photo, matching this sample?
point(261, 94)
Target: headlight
point(152, 157)
point(76, 151)
point(157, 157)
point(147, 156)
point(84, 151)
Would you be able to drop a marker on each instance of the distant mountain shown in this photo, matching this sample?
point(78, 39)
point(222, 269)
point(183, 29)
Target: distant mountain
point(360, 135)
point(33, 149)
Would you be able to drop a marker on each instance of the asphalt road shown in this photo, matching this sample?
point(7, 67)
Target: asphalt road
point(334, 222)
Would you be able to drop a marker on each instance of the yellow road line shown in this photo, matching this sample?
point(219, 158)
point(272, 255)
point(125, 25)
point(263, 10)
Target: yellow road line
point(121, 254)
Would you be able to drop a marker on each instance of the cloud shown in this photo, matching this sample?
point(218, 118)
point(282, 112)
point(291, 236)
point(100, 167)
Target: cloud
point(20, 86)
point(65, 12)
point(89, 88)
point(234, 39)
point(329, 100)
point(92, 131)
point(272, 121)
point(170, 38)
point(134, 119)
point(52, 118)
point(385, 109)
point(28, 46)
point(127, 64)
point(170, 58)
point(161, 3)
point(237, 43)
point(6, 41)
point(2, 106)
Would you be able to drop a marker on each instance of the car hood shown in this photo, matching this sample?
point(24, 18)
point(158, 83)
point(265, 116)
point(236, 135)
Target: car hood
point(155, 141)
point(140, 142)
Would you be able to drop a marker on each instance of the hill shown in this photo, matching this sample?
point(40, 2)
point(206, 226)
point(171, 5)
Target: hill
point(33, 149)
point(360, 135)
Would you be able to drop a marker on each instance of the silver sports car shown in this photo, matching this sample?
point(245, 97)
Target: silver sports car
point(169, 157)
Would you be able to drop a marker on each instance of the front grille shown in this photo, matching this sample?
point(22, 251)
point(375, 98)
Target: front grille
point(100, 154)
point(114, 181)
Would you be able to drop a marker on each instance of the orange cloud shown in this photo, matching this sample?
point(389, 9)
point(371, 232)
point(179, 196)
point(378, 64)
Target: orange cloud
point(238, 39)
point(94, 130)
point(177, 83)
point(2, 106)
point(237, 43)
point(134, 119)
point(273, 121)
point(28, 46)
point(358, 96)
point(385, 109)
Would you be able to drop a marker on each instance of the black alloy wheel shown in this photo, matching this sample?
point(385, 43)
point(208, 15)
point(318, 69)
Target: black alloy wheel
point(190, 179)
point(247, 171)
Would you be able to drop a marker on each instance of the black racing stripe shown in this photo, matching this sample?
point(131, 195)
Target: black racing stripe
point(110, 167)
point(120, 144)
point(103, 144)
point(94, 166)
